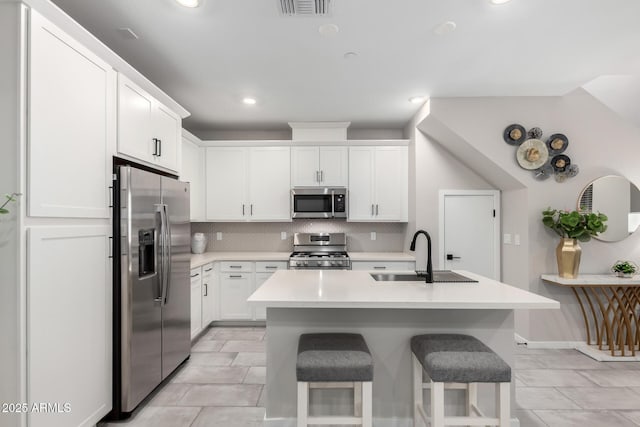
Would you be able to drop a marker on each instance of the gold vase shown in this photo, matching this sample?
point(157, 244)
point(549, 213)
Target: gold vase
point(568, 254)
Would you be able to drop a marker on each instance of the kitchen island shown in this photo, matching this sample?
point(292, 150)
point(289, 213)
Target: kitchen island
point(387, 314)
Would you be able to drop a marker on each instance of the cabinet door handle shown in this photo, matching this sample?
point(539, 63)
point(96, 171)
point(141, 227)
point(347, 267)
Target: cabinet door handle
point(251, 209)
point(271, 266)
point(379, 267)
point(159, 148)
point(209, 269)
point(206, 290)
point(321, 176)
point(376, 209)
point(235, 276)
point(155, 146)
point(195, 275)
point(243, 209)
point(235, 266)
point(372, 210)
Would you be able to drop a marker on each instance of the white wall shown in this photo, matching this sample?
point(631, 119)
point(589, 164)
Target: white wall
point(432, 168)
point(9, 274)
point(600, 142)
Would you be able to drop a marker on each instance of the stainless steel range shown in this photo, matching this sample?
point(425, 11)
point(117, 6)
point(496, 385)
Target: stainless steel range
point(326, 251)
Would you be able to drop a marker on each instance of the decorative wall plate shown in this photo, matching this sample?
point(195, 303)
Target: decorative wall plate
point(560, 162)
point(557, 143)
point(514, 134)
point(532, 154)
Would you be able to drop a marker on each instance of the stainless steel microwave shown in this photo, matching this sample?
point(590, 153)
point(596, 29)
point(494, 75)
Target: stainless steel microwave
point(319, 202)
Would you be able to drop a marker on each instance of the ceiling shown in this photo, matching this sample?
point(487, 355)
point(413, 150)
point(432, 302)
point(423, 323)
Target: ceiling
point(211, 57)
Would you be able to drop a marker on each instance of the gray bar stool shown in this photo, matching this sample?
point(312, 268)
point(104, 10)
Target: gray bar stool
point(335, 360)
point(455, 361)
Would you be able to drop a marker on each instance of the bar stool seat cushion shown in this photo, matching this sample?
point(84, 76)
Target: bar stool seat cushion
point(458, 358)
point(336, 357)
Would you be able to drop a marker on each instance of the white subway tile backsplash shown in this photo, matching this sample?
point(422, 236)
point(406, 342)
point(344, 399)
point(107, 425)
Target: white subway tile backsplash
point(264, 236)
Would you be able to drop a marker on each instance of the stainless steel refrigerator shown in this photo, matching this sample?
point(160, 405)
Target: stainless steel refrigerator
point(151, 287)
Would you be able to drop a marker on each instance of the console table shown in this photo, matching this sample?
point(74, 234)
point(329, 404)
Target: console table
point(614, 306)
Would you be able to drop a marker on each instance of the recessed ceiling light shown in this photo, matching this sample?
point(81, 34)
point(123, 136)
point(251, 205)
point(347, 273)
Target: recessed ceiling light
point(416, 99)
point(350, 55)
point(445, 28)
point(189, 3)
point(500, 1)
point(249, 101)
point(328, 30)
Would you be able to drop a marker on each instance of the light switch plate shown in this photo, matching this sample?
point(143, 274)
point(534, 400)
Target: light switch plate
point(219, 235)
point(506, 239)
point(373, 235)
point(283, 235)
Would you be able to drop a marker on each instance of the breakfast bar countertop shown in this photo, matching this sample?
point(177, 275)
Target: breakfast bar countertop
point(357, 289)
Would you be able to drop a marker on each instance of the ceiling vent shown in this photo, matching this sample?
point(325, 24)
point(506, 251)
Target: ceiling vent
point(305, 7)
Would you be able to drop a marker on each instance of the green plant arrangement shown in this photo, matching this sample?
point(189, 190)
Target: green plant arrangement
point(624, 268)
point(574, 224)
point(9, 198)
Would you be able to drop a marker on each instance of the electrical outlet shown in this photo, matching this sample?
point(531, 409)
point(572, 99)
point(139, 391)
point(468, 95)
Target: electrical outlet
point(373, 235)
point(506, 239)
point(516, 239)
point(219, 235)
point(283, 235)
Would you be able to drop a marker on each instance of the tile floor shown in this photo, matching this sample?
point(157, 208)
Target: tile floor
point(222, 386)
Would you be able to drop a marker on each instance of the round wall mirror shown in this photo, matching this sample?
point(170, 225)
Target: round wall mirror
point(618, 199)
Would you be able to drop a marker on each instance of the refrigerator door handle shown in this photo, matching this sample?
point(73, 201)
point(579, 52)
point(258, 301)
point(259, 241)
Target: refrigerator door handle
point(160, 249)
point(166, 256)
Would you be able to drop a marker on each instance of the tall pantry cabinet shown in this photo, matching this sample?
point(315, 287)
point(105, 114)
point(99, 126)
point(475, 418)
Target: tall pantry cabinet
point(57, 126)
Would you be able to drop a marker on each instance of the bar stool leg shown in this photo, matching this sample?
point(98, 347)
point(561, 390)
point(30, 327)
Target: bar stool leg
point(303, 403)
point(418, 401)
point(503, 403)
point(367, 404)
point(357, 399)
point(472, 398)
point(437, 404)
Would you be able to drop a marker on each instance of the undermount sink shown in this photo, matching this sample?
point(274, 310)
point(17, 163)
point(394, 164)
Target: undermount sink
point(439, 276)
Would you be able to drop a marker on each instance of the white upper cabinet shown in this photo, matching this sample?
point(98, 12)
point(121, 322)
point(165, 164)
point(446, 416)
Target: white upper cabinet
point(147, 130)
point(71, 125)
point(378, 183)
point(192, 171)
point(248, 184)
point(269, 184)
point(226, 175)
point(325, 166)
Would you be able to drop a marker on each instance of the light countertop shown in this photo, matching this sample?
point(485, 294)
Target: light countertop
point(381, 256)
point(357, 289)
point(198, 260)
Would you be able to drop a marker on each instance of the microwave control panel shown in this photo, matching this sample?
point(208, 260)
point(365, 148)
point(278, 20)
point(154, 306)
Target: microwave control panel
point(339, 203)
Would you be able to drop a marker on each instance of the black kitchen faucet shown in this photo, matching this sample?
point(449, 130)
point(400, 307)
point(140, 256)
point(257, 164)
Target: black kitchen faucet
point(429, 277)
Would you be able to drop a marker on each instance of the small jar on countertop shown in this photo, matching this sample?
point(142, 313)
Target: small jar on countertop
point(198, 243)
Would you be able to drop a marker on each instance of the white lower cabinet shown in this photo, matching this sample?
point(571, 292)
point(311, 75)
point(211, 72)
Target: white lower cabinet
point(209, 292)
point(238, 280)
point(69, 311)
point(196, 301)
point(235, 288)
point(383, 265)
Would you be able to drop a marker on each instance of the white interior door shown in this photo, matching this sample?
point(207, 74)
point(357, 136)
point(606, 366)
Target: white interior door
point(470, 231)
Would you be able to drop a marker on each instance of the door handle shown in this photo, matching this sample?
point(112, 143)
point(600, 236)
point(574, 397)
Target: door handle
point(251, 209)
point(159, 148)
point(206, 290)
point(321, 176)
point(450, 257)
point(317, 176)
point(235, 276)
point(376, 209)
point(195, 275)
point(372, 210)
point(243, 209)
